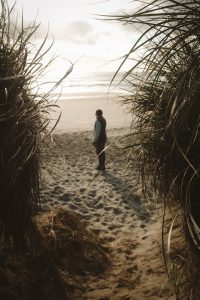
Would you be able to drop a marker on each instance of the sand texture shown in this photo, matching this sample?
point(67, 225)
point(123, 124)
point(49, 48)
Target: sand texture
point(110, 204)
point(78, 112)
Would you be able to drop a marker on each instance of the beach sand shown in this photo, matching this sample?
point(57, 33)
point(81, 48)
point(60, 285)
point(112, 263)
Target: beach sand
point(78, 112)
point(109, 202)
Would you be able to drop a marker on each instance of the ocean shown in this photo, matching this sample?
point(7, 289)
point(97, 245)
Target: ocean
point(90, 84)
point(79, 98)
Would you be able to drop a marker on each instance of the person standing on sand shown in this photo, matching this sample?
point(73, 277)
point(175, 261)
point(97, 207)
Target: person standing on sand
point(100, 139)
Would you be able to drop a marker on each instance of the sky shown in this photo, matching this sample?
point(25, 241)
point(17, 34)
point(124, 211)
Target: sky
point(80, 34)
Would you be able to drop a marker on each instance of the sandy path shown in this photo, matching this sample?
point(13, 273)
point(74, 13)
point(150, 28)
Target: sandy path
point(111, 206)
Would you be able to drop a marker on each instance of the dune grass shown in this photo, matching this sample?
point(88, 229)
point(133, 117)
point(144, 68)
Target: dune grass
point(166, 103)
point(24, 124)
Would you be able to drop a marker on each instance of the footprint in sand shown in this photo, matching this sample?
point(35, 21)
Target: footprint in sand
point(127, 207)
point(116, 211)
point(90, 206)
point(142, 226)
point(149, 271)
point(65, 197)
point(77, 200)
point(90, 174)
point(83, 210)
point(86, 217)
point(108, 208)
point(57, 190)
point(96, 230)
point(96, 218)
point(132, 269)
point(113, 227)
point(93, 201)
point(133, 258)
point(92, 193)
point(110, 239)
point(99, 206)
point(73, 207)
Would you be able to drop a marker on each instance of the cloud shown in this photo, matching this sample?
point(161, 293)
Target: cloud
point(82, 32)
point(79, 28)
point(103, 35)
point(76, 32)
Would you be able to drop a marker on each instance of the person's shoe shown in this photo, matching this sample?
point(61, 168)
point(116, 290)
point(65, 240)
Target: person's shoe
point(101, 168)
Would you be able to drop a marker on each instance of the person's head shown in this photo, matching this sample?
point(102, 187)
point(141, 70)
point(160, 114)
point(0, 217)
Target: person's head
point(99, 113)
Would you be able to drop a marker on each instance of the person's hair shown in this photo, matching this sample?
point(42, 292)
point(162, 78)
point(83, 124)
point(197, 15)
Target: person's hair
point(99, 112)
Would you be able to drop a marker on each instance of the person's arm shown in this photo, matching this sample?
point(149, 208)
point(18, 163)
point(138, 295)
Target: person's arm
point(97, 131)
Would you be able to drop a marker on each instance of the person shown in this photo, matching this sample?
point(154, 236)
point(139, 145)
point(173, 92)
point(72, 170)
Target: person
point(100, 138)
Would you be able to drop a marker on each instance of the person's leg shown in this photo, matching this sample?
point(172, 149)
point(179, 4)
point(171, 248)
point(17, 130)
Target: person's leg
point(101, 155)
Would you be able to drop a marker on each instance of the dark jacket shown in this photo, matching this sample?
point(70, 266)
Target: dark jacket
point(100, 130)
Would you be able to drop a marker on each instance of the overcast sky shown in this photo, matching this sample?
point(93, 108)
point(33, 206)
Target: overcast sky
point(78, 34)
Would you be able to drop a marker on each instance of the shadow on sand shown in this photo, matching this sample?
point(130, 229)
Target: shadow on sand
point(132, 200)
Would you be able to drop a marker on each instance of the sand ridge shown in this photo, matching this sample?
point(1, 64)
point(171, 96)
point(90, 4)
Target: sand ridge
point(112, 207)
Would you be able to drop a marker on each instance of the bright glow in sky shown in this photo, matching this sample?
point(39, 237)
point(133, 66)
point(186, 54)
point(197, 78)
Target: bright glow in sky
point(79, 36)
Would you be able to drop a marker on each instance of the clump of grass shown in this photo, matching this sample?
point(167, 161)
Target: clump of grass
point(167, 108)
point(24, 123)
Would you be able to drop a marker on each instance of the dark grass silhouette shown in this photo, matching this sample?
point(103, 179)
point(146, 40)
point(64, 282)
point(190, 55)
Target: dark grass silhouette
point(24, 123)
point(167, 107)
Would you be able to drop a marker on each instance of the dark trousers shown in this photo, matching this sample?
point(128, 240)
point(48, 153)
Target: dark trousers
point(101, 154)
